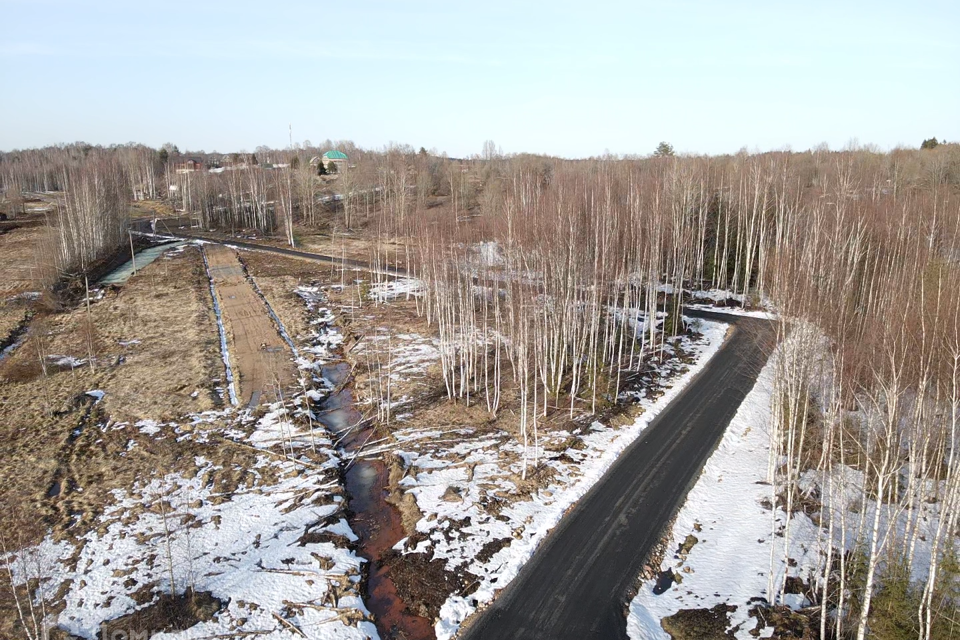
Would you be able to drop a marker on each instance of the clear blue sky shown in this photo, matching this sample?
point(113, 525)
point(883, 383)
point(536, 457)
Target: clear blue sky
point(566, 78)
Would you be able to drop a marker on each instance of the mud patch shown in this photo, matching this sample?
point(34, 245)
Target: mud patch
point(424, 583)
point(491, 548)
point(786, 623)
point(168, 613)
point(700, 624)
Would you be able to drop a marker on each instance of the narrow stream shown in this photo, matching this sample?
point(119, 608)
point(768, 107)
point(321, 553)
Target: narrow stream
point(372, 518)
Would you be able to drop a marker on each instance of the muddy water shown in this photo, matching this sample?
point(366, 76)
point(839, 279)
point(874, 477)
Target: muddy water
point(373, 519)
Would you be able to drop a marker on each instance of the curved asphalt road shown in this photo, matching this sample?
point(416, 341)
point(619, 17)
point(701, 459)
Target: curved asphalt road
point(576, 584)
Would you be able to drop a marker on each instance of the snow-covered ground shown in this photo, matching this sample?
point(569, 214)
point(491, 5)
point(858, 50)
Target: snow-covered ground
point(319, 346)
point(731, 559)
point(456, 473)
point(272, 545)
point(403, 356)
point(276, 546)
point(393, 289)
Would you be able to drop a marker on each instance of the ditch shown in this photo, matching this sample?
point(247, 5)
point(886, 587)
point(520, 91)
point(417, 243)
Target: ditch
point(376, 522)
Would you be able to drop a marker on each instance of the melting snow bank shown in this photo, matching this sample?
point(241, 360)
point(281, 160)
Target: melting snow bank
point(455, 483)
point(323, 338)
point(394, 289)
point(732, 546)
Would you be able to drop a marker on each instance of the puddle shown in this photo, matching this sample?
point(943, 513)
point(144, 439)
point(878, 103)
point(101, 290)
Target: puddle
point(373, 519)
point(665, 580)
point(142, 258)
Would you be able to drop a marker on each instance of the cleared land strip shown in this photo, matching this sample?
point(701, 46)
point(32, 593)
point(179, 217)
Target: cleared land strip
point(169, 227)
point(577, 583)
point(261, 359)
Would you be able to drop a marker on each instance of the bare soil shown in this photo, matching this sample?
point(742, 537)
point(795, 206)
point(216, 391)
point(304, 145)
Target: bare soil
point(700, 624)
point(168, 613)
point(278, 277)
point(261, 359)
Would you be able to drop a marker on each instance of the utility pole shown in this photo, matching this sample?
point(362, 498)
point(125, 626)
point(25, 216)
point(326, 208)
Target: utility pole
point(133, 256)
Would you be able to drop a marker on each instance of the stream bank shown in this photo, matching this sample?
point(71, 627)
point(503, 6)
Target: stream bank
point(377, 522)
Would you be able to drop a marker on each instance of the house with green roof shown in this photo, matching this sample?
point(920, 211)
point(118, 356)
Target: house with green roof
point(334, 158)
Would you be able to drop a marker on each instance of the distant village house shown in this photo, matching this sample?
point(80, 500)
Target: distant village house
point(334, 158)
point(189, 165)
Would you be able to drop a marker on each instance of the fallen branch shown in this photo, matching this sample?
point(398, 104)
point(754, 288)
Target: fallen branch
point(291, 626)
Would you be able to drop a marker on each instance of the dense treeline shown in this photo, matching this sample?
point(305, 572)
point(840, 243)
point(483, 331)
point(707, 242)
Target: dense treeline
point(858, 253)
point(93, 188)
point(866, 278)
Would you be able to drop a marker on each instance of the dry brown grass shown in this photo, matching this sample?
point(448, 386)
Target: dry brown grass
point(48, 426)
point(151, 209)
point(352, 246)
point(54, 436)
point(167, 308)
point(359, 244)
point(25, 260)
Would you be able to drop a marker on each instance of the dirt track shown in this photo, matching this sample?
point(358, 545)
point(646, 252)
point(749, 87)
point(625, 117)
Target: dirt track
point(261, 360)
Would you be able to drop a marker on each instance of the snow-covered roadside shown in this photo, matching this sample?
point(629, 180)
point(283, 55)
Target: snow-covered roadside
point(474, 478)
point(729, 560)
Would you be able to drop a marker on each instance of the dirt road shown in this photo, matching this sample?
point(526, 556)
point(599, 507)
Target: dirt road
point(168, 226)
point(261, 360)
point(577, 583)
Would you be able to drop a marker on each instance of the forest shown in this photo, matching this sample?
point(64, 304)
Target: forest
point(549, 280)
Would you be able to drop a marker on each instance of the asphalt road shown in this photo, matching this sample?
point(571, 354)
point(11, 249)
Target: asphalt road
point(576, 584)
point(169, 226)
